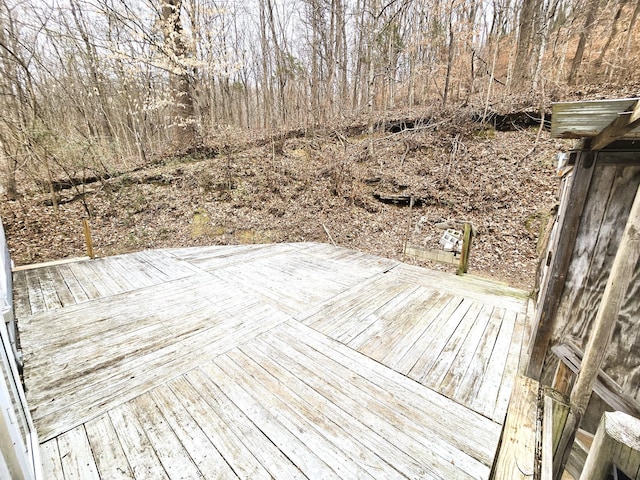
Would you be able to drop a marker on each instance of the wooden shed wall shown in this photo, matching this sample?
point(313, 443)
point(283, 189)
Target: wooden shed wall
point(609, 199)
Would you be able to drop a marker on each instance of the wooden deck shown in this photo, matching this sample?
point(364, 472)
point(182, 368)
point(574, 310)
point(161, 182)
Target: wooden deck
point(284, 361)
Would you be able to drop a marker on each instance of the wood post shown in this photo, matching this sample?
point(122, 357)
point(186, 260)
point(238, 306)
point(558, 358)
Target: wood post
point(562, 378)
point(555, 410)
point(617, 442)
point(466, 247)
point(621, 272)
point(568, 228)
point(87, 237)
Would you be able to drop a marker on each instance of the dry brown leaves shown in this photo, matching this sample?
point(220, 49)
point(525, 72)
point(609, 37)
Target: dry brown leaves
point(458, 171)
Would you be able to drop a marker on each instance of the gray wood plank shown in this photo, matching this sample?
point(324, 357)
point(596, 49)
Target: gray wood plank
point(348, 332)
point(339, 313)
point(290, 445)
point(374, 325)
point(21, 304)
point(440, 367)
point(510, 370)
point(36, 297)
point(129, 270)
point(173, 456)
point(205, 455)
point(293, 414)
point(425, 314)
point(232, 405)
point(51, 463)
point(84, 278)
point(77, 292)
point(76, 456)
point(355, 440)
point(92, 396)
point(425, 452)
point(107, 267)
point(64, 276)
point(485, 399)
point(107, 451)
point(397, 326)
point(406, 393)
point(63, 292)
point(474, 288)
point(465, 356)
point(48, 289)
point(141, 456)
point(419, 351)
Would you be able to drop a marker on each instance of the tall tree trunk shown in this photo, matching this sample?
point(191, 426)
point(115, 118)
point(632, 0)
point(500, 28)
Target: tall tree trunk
point(630, 34)
point(281, 68)
point(582, 42)
point(526, 28)
point(451, 47)
point(613, 31)
point(91, 57)
point(8, 169)
point(341, 53)
point(267, 94)
point(183, 122)
point(315, 60)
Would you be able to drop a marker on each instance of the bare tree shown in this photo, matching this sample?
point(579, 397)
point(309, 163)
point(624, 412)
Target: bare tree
point(585, 33)
point(184, 131)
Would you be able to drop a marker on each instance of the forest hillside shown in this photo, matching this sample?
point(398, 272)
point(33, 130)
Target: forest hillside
point(359, 122)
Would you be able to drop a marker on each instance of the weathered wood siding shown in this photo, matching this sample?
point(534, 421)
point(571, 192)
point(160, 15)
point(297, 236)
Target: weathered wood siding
point(605, 214)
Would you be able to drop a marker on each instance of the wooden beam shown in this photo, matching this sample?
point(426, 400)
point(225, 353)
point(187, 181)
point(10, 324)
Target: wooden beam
point(619, 157)
point(626, 121)
point(516, 457)
point(33, 266)
point(617, 442)
point(569, 224)
point(605, 387)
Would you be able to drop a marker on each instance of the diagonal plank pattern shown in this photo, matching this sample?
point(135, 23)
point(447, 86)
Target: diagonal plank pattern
point(266, 361)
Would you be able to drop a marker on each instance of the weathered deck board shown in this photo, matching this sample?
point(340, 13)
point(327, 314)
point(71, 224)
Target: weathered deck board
point(465, 356)
point(255, 440)
point(69, 402)
point(53, 287)
point(416, 400)
point(205, 455)
point(432, 337)
point(486, 291)
point(76, 456)
point(258, 361)
point(108, 453)
point(372, 406)
point(293, 280)
point(352, 437)
point(51, 461)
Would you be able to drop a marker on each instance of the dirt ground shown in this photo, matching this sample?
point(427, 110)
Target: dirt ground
point(328, 186)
